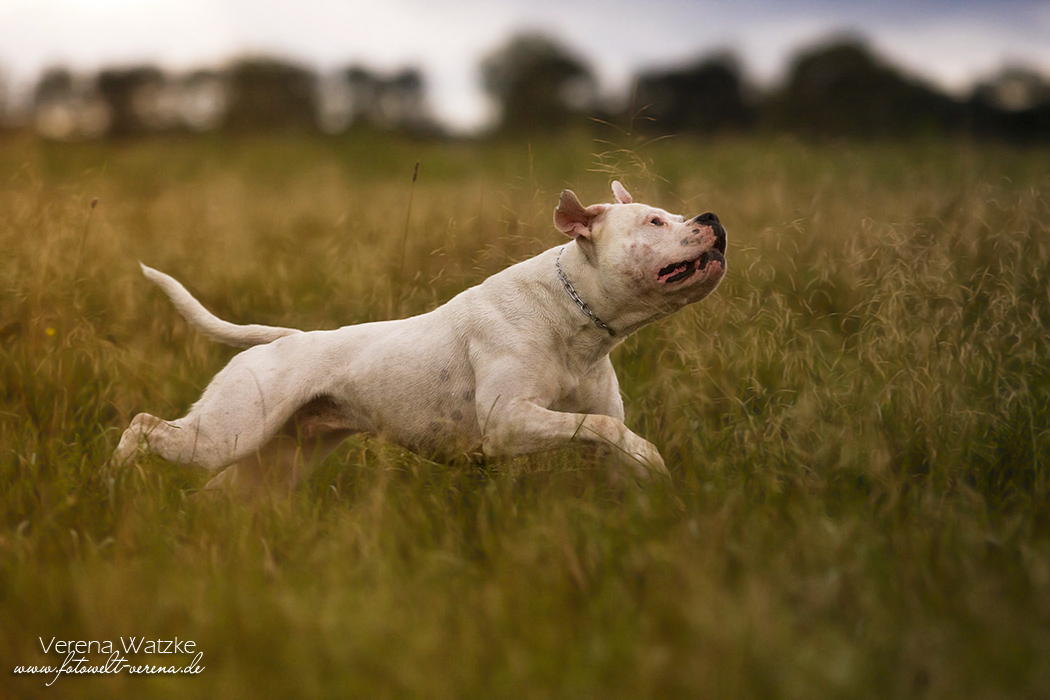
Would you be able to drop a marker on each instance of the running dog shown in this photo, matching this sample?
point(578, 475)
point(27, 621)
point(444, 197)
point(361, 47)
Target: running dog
point(518, 364)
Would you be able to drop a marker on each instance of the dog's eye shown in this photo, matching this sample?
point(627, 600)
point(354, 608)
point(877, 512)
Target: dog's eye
point(656, 222)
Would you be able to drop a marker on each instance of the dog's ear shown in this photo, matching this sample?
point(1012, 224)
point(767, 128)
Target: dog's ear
point(572, 218)
point(621, 194)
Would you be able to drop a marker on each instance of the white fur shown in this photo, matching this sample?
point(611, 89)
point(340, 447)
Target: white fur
point(511, 366)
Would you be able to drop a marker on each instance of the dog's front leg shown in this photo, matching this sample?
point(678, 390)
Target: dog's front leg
point(524, 427)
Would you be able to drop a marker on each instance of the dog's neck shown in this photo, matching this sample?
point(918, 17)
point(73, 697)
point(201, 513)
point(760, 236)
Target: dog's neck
point(574, 295)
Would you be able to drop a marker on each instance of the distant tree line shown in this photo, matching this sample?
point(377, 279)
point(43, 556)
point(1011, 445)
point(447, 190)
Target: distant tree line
point(250, 95)
point(840, 89)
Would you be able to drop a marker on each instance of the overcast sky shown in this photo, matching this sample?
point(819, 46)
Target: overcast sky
point(949, 43)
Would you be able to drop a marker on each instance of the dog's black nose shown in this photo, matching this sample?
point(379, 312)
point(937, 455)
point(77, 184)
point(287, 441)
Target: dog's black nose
point(711, 220)
point(720, 239)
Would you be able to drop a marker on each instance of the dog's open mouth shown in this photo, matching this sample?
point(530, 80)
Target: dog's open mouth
point(680, 271)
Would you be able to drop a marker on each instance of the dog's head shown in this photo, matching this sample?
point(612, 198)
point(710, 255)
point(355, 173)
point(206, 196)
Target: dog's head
point(646, 257)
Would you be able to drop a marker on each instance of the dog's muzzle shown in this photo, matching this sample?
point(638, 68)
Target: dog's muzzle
point(712, 221)
point(680, 271)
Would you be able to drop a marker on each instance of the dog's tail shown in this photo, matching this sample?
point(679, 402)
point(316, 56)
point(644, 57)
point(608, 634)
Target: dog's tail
point(210, 324)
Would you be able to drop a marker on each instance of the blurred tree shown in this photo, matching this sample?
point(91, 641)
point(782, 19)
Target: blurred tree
point(397, 102)
point(1013, 104)
point(1014, 89)
point(362, 84)
point(705, 97)
point(203, 98)
point(538, 84)
point(270, 94)
point(132, 95)
point(55, 84)
point(402, 100)
point(66, 107)
point(843, 89)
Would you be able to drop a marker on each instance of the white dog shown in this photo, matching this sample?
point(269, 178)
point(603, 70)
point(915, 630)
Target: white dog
point(516, 365)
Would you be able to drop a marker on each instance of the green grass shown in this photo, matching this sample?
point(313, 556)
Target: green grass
point(857, 423)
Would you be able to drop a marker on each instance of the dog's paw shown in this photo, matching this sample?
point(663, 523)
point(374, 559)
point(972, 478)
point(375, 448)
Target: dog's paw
point(642, 460)
point(126, 450)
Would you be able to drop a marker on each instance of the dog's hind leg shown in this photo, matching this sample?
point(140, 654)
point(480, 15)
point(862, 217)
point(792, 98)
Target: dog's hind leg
point(288, 457)
point(252, 415)
point(175, 441)
point(244, 406)
point(311, 434)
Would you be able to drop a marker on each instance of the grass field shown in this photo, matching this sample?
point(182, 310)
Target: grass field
point(857, 423)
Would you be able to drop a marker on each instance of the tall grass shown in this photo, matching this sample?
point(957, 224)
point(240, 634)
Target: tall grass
point(857, 423)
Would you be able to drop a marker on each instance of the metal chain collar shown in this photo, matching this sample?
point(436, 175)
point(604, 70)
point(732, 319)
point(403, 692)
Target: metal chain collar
point(576, 297)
